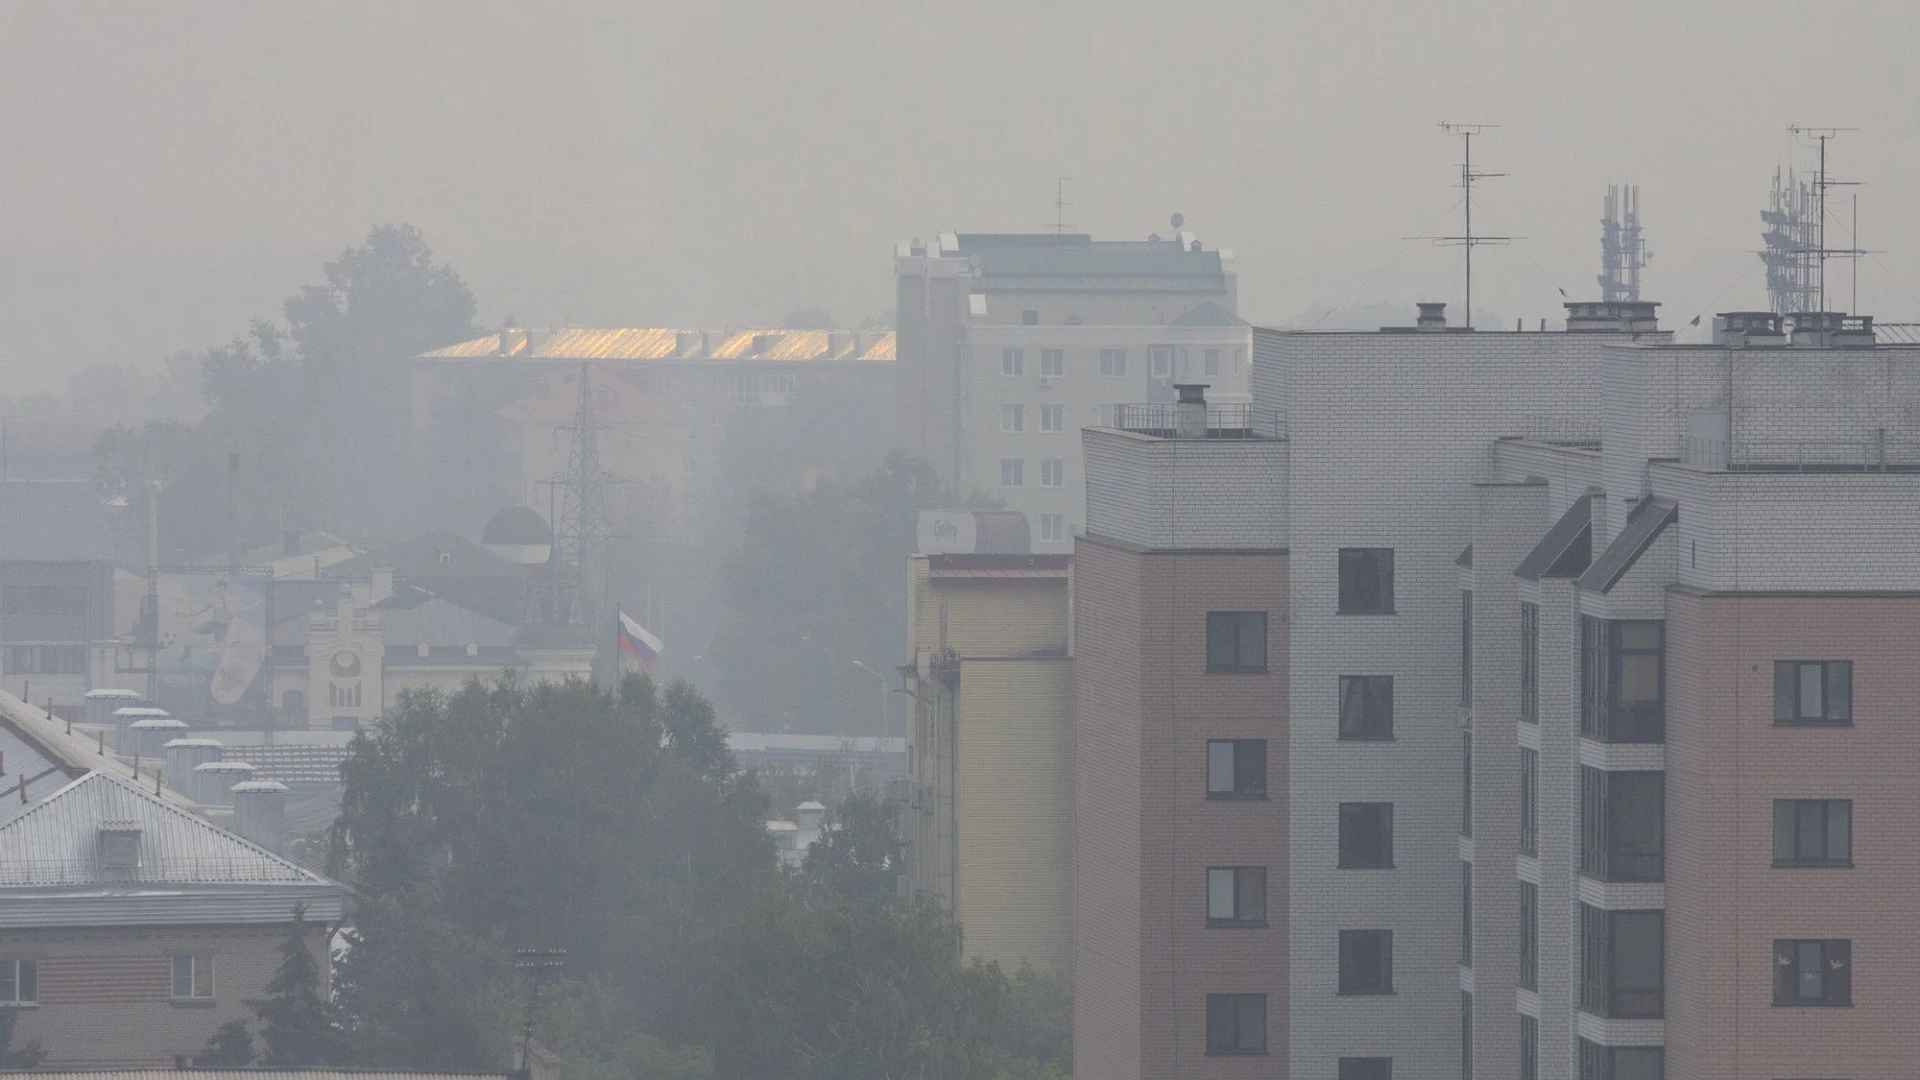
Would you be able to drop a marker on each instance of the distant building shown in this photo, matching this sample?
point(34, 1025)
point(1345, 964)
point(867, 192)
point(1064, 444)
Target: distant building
point(57, 637)
point(793, 839)
point(130, 929)
point(1009, 344)
point(989, 807)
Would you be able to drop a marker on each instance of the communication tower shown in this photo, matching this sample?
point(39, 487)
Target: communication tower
point(1623, 251)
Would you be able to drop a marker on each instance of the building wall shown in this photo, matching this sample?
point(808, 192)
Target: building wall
point(1146, 832)
point(105, 994)
point(1015, 809)
point(1726, 903)
point(1186, 493)
point(985, 616)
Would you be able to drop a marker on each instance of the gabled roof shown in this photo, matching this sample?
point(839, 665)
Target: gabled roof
point(413, 616)
point(1645, 522)
point(1210, 314)
point(420, 558)
point(1566, 549)
point(53, 521)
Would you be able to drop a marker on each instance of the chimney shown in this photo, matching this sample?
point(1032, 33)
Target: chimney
point(148, 737)
point(1190, 412)
point(184, 756)
point(260, 812)
point(1433, 316)
point(215, 780)
point(1735, 329)
point(1612, 316)
point(290, 541)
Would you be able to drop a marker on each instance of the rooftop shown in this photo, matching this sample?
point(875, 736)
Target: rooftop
point(673, 344)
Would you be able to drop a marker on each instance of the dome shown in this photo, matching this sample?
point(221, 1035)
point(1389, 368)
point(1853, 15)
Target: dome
point(516, 525)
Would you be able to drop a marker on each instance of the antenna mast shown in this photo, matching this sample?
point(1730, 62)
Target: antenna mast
point(1623, 252)
point(1821, 182)
point(1468, 241)
point(1059, 208)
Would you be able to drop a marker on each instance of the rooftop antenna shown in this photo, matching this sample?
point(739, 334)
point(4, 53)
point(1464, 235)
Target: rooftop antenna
point(1467, 241)
point(1821, 182)
point(1623, 251)
point(1060, 225)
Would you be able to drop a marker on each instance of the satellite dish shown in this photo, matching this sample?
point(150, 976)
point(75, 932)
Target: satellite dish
point(1179, 220)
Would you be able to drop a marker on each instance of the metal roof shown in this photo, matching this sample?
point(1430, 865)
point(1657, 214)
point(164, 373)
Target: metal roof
point(1645, 522)
point(247, 1074)
point(669, 343)
point(1566, 550)
point(53, 521)
point(413, 617)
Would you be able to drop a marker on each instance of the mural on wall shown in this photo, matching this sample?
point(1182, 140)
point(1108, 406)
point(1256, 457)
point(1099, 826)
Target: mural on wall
point(211, 650)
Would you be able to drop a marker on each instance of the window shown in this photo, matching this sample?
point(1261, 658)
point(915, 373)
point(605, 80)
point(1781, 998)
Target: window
point(1622, 1062)
point(1366, 1068)
point(46, 659)
point(1366, 836)
point(1366, 707)
point(1030, 317)
point(1213, 365)
point(1466, 647)
point(1529, 801)
point(1053, 528)
point(1113, 362)
point(446, 557)
point(1236, 768)
point(1013, 361)
point(19, 982)
point(1813, 832)
point(193, 977)
point(1466, 1035)
point(1466, 914)
point(1366, 581)
point(1236, 641)
point(1366, 962)
point(1622, 954)
point(1236, 1023)
point(43, 600)
point(1160, 361)
point(1529, 1048)
point(1529, 936)
point(1236, 896)
point(1012, 472)
point(1466, 784)
point(1623, 825)
point(1052, 417)
point(1013, 418)
point(1053, 363)
point(1813, 691)
point(1812, 972)
point(1053, 472)
point(1622, 680)
point(1530, 663)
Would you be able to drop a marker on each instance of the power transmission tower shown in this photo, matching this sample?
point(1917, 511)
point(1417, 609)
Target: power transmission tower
point(583, 530)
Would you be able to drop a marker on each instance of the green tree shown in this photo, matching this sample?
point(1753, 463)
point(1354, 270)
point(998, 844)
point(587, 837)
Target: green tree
point(231, 1047)
point(298, 1023)
point(859, 857)
point(422, 993)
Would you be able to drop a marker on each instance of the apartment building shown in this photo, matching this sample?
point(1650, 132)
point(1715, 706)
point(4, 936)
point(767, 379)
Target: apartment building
point(57, 634)
point(1009, 344)
point(1182, 632)
point(989, 817)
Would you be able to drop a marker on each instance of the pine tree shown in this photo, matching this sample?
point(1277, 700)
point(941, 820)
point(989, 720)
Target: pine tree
point(298, 1023)
point(231, 1047)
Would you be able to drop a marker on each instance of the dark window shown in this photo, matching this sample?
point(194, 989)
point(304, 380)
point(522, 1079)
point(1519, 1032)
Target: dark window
point(1466, 914)
point(1236, 641)
point(1529, 936)
point(1530, 663)
point(19, 982)
point(1622, 954)
point(1466, 783)
point(1366, 581)
point(1622, 825)
point(1236, 896)
point(1030, 317)
point(1236, 1023)
point(1529, 1048)
point(1466, 1035)
point(43, 600)
point(1366, 835)
point(1813, 832)
point(1812, 972)
point(1529, 801)
point(46, 659)
point(1236, 768)
point(193, 976)
point(1366, 707)
point(1813, 692)
point(1366, 1068)
point(1366, 961)
point(1466, 647)
point(1623, 680)
point(1621, 1062)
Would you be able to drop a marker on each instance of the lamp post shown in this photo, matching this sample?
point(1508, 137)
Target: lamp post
point(886, 714)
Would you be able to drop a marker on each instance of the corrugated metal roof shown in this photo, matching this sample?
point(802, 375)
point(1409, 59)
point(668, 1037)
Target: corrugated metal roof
point(76, 750)
point(247, 1074)
point(56, 844)
point(53, 521)
point(769, 345)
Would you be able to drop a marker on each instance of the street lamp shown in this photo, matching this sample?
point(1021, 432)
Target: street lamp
point(886, 714)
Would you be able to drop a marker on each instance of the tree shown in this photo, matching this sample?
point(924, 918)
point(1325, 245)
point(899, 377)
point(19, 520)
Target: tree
point(859, 858)
point(422, 993)
point(231, 1047)
point(21, 1057)
point(298, 1023)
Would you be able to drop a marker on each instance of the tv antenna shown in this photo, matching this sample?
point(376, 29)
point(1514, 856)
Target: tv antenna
point(1467, 241)
point(1821, 182)
point(1623, 251)
point(1060, 225)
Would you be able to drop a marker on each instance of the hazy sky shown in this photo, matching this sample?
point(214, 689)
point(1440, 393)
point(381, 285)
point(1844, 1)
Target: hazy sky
point(170, 170)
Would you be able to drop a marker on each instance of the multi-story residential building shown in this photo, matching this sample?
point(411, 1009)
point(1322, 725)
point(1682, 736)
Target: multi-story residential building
point(1009, 344)
point(56, 590)
point(1182, 629)
point(989, 817)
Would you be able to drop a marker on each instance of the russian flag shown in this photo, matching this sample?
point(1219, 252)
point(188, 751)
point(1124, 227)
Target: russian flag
point(638, 641)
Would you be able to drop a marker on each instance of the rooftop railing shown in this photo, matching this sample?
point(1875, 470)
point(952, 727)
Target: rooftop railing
point(1168, 421)
point(1877, 452)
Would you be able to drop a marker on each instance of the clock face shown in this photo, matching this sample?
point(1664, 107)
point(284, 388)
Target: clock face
point(345, 664)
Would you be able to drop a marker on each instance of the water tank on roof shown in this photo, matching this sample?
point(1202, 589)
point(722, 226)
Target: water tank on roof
point(518, 534)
